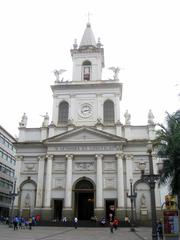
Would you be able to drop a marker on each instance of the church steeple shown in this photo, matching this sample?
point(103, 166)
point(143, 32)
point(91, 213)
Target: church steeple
point(88, 38)
point(88, 58)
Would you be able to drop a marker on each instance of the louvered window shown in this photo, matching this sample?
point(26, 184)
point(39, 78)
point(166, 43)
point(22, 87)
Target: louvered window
point(63, 112)
point(86, 70)
point(108, 111)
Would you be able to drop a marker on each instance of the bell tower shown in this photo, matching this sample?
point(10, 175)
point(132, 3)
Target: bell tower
point(88, 58)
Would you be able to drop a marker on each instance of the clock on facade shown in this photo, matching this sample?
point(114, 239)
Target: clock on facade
point(86, 110)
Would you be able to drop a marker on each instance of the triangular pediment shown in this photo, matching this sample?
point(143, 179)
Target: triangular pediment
point(84, 134)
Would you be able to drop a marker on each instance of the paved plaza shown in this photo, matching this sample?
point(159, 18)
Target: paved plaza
point(69, 233)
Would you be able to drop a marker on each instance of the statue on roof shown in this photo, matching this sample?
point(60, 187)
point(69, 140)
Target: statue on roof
point(116, 71)
point(57, 73)
point(23, 122)
point(75, 45)
point(127, 116)
point(150, 117)
point(46, 120)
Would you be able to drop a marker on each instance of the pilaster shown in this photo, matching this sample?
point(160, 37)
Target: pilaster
point(19, 160)
point(44, 133)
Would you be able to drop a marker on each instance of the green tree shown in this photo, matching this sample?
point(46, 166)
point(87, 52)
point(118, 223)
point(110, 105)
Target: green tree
point(168, 143)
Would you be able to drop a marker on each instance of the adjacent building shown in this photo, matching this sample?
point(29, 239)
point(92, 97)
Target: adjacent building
point(7, 170)
point(80, 163)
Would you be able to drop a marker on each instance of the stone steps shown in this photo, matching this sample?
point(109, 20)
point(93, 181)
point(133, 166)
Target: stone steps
point(81, 223)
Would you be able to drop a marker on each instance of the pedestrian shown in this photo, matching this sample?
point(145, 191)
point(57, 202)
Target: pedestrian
point(160, 230)
point(75, 222)
point(115, 223)
point(30, 223)
point(103, 221)
point(111, 220)
point(15, 223)
point(64, 220)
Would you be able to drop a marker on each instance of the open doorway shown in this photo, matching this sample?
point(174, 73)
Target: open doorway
point(58, 204)
point(110, 208)
point(84, 200)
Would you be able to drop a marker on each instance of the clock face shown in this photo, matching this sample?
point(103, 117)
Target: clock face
point(86, 110)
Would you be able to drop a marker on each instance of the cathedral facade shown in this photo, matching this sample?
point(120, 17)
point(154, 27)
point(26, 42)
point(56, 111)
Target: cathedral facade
point(81, 163)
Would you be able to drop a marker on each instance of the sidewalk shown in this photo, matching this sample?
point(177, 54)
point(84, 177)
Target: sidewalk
point(66, 233)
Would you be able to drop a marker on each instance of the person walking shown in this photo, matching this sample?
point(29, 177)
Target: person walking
point(75, 222)
point(160, 230)
point(111, 220)
point(30, 223)
point(15, 223)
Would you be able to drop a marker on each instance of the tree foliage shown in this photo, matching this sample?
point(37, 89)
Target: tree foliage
point(168, 143)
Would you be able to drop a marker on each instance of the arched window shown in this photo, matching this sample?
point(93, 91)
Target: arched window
point(86, 70)
point(108, 111)
point(63, 112)
point(84, 184)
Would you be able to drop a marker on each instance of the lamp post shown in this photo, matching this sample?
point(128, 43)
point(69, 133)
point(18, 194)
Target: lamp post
point(132, 197)
point(151, 178)
point(12, 194)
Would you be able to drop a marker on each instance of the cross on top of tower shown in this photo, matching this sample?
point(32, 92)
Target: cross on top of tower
point(88, 16)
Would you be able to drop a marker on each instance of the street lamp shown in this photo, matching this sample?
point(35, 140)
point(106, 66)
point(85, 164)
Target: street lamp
point(151, 178)
point(12, 194)
point(132, 197)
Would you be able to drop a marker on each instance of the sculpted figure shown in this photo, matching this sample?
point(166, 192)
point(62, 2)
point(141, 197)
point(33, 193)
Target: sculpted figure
point(46, 120)
point(27, 200)
point(127, 118)
point(57, 73)
point(116, 71)
point(150, 117)
point(143, 200)
point(23, 122)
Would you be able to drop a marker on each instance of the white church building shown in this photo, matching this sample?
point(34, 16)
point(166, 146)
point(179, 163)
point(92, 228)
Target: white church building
point(80, 162)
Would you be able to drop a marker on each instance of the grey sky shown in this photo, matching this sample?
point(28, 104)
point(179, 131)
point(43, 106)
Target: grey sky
point(141, 37)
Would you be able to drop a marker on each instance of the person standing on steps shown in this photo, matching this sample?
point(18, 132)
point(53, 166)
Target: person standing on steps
point(75, 222)
point(111, 220)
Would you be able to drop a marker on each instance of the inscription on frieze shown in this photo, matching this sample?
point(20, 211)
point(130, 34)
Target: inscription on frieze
point(85, 148)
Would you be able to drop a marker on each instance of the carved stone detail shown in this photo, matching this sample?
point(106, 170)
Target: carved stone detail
point(58, 183)
point(84, 166)
point(31, 167)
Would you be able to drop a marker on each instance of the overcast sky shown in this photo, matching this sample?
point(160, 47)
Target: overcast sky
point(139, 36)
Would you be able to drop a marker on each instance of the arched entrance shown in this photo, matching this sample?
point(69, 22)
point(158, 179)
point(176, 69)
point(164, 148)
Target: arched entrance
point(84, 199)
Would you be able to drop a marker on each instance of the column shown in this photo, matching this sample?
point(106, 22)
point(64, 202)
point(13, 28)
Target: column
point(40, 181)
point(19, 160)
point(129, 174)
point(120, 181)
point(47, 197)
point(99, 202)
point(68, 189)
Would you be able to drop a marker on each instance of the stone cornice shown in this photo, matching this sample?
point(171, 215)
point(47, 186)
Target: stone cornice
point(99, 84)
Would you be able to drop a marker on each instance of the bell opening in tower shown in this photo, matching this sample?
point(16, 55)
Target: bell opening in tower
point(87, 73)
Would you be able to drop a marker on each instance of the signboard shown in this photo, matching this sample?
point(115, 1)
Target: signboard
point(171, 223)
